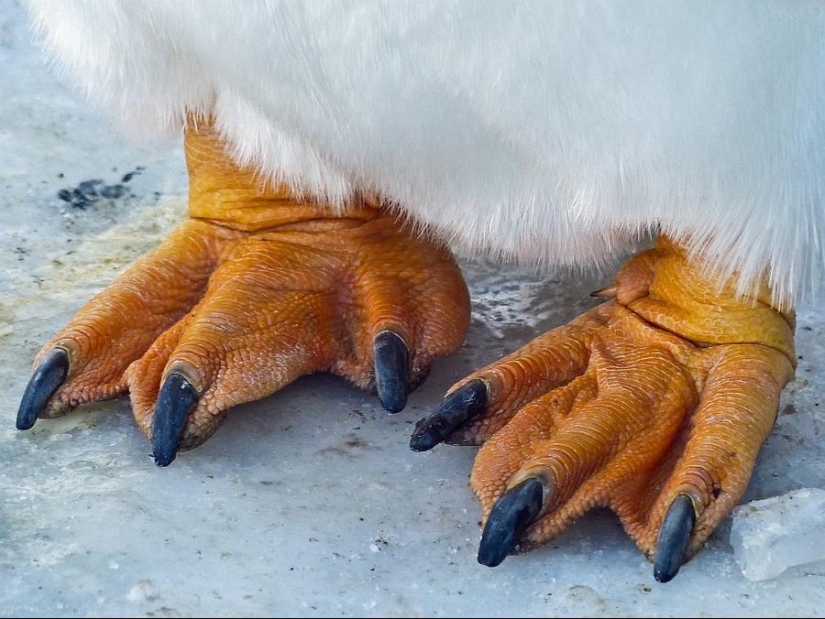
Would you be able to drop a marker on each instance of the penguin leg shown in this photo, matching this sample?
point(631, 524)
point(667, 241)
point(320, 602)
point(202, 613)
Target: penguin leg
point(654, 404)
point(258, 287)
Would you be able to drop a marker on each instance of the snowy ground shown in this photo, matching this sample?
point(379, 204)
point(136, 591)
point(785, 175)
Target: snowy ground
point(309, 502)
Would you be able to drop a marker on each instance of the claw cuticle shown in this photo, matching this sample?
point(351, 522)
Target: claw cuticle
point(511, 515)
point(608, 292)
point(674, 535)
point(176, 399)
point(391, 357)
point(456, 409)
point(46, 379)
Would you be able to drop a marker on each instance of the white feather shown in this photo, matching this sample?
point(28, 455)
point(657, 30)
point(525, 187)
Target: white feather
point(551, 132)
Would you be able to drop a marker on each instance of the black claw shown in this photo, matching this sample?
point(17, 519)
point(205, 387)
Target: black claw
point(671, 547)
point(457, 408)
point(391, 371)
point(511, 516)
point(49, 375)
point(176, 399)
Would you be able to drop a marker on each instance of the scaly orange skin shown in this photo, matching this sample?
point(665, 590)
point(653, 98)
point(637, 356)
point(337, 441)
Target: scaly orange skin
point(668, 390)
point(258, 288)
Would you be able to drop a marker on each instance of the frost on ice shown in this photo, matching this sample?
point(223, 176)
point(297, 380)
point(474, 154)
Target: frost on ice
point(772, 535)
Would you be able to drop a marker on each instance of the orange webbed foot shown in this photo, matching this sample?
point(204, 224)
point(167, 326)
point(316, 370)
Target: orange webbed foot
point(256, 289)
point(654, 404)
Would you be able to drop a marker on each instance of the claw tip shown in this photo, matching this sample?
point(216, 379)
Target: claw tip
point(391, 358)
point(674, 536)
point(176, 399)
point(164, 459)
point(456, 409)
point(512, 514)
point(422, 439)
point(45, 381)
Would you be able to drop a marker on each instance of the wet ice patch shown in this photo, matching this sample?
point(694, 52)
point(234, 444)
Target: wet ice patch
point(500, 300)
point(46, 552)
point(143, 591)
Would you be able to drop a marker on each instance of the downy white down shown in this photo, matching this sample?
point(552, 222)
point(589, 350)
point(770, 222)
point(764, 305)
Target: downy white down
point(547, 132)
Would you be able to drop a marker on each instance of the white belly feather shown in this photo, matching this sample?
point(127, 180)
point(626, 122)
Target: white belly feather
point(550, 132)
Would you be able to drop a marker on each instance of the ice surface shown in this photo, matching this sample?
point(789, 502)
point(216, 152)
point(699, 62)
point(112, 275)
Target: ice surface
point(772, 535)
point(282, 511)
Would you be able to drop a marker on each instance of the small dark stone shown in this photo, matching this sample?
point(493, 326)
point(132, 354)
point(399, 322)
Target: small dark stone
point(89, 188)
point(113, 192)
point(78, 200)
point(130, 175)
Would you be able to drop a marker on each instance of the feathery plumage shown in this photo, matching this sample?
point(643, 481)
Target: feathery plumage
point(551, 132)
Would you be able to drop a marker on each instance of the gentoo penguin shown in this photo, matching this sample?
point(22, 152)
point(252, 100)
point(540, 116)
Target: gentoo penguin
point(337, 149)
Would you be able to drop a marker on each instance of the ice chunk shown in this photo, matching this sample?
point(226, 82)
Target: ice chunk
point(772, 535)
point(143, 591)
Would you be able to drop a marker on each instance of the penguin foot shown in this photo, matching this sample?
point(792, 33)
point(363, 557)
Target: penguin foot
point(654, 404)
point(256, 289)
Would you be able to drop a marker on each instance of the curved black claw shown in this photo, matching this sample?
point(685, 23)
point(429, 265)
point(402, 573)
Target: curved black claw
point(176, 399)
point(457, 408)
point(391, 370)
point(511, 516)
point(671, 547)
point(48, 376)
